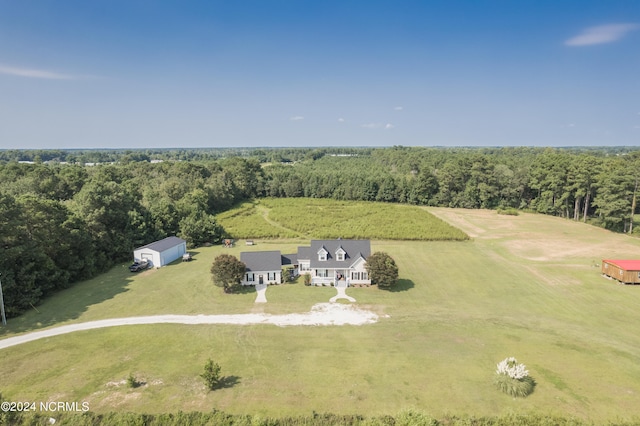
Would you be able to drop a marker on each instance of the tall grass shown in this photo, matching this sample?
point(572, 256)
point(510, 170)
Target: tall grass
point(324, 219)
point(245, 221)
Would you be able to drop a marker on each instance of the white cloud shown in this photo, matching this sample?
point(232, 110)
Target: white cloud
point(601, 34)
point(341, 120)
point(296, 118)
point(378, 126)
point(398, 108)
point(32, 73)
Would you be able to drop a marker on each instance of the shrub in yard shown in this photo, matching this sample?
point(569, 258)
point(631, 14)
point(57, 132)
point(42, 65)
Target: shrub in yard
point(132, 382)
point(211, 374)
point(307, 279)
point(513, 378)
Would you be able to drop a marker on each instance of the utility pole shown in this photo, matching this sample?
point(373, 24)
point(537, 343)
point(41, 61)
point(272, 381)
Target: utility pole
point(4, 319)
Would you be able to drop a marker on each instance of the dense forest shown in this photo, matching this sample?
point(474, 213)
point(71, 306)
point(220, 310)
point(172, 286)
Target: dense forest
point(68, 215)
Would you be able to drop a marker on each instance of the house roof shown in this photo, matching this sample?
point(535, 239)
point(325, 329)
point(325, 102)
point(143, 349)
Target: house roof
point(627, 265)
point(163, 244)
point(262, 260)
point(289, 259)
point(353, 249)
point(304, 252)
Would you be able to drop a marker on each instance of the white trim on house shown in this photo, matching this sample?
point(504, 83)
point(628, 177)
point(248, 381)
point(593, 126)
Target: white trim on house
point(337, 261)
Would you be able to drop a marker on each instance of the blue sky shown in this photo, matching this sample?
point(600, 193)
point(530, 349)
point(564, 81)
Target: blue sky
point(136, 74)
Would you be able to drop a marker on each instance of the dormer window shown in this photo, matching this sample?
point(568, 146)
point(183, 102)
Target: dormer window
point(340, 254)
point(322, 254)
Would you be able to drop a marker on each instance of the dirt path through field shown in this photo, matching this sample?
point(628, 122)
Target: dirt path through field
point(320, 314)
point(264, 212)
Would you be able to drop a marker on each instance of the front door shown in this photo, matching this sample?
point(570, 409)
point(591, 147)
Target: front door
point(260, 279)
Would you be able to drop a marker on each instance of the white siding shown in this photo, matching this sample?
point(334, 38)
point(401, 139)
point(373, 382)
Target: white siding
point(159, 259)
point(268, 277)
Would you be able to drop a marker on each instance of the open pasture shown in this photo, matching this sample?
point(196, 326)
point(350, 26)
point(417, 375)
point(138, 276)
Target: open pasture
point(527, 286)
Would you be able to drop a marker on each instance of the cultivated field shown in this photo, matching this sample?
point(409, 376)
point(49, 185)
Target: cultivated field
point(527, 286)
point(315, 218)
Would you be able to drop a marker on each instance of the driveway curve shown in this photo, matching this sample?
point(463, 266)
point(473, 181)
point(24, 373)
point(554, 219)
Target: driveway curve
point(321, 314)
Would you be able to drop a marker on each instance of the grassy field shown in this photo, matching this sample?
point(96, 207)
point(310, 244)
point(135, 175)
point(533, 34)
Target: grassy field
point(526, 286)
point(314, 218)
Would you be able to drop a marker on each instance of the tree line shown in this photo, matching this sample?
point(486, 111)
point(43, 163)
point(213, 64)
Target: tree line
point(599, 186)
point(60, 223)
point(64, 223)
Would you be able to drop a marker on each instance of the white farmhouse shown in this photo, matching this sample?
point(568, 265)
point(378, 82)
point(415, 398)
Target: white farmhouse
point(263, 267)
point(328, 262)
point(331, 261)
point(161, 252)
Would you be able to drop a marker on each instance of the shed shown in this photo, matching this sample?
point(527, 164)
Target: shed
point(162, 252)
point(625, 271)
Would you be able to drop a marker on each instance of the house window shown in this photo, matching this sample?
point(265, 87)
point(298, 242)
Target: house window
point(251, 277)
point(340, 256)
point(304, 267)
point(359, 276)
point(322, 273)
point(322, 254)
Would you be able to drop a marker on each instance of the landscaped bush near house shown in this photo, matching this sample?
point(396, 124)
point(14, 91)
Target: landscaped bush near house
point(513, 378)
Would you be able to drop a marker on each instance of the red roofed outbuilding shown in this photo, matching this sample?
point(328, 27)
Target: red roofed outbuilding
point(625, 271)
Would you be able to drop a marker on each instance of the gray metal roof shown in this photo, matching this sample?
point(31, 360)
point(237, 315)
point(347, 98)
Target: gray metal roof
point(354, 249)
point(163, 244)
point(262, 260)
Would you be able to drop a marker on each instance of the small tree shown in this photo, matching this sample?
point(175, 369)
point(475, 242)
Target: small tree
point(227, 272)
point(382, 269)
point(132, 382)
point(211, 374)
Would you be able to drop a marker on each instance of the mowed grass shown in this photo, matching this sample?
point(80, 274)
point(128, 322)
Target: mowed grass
point(323, 219)
point(525, 286)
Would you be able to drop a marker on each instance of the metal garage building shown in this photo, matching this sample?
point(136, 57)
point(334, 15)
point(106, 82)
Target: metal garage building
point(161, 252)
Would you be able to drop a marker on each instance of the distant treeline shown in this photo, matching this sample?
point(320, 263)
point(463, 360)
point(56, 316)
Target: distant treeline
point(587, 184)
point(61, 222)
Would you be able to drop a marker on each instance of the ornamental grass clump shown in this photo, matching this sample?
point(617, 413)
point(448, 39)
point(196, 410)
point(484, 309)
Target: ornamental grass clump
point(513, 378)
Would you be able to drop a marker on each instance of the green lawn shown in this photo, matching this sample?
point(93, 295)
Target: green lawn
point(524, 286)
